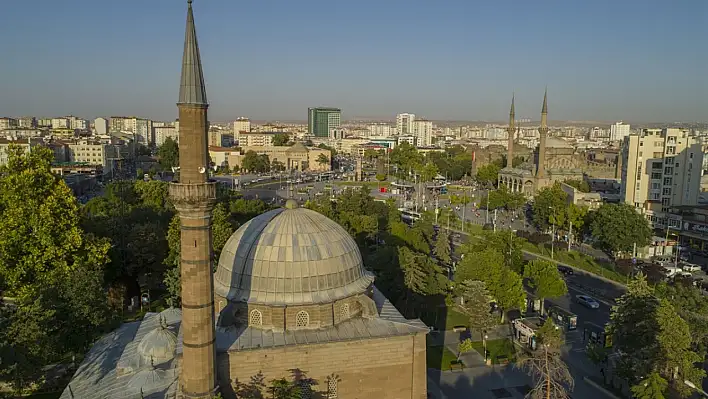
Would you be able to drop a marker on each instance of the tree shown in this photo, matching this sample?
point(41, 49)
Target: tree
point(253, 162)
point(652, 387)
point(580, 185)
point(428, 172)
point(485, 265)
point(651, 337)
point(476, 304)
point(52, 268)
point(488, 175)
point(381, 177)
point(464, 347)
point(406, 158)
point(168, 153)
point(414, 275)
point(281, 139)
point(284, 389)
point(552, 379)
point(509, 292)
point(277, 166)
point(322, 160)
point(618, 227)
point(549, 207)
point(442, 247)
point(545, 280)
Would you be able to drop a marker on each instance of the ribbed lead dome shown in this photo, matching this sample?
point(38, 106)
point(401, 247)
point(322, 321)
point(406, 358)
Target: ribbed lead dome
point(290, 257)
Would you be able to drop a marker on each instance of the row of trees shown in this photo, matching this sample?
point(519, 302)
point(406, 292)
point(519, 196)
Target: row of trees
point(454, 163)
point(616, 228)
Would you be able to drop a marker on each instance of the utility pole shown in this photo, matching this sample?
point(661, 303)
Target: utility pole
point(570, 234)
point(436, 210)
point(486, 213)
point(464, 205)
point(494, 222)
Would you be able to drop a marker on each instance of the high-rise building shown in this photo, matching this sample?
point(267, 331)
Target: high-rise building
point(661, 169)
point(165, 131)
point(321, 119)
point(423, 130)
point(405, 123)
point(101, 126)
point(61, 123)
point(141, 128)
point(381, 130)
point(619, 131)
point(242, 124)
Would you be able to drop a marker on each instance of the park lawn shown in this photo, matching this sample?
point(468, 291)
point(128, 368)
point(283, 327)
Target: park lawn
point(439, 357)
point(363, 183)
point(455, 318)
point(496, 348)
point(579, 260)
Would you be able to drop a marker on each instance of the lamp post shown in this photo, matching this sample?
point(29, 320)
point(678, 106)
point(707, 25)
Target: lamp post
point(693, 386)
point(553, 230)
point(484, 343)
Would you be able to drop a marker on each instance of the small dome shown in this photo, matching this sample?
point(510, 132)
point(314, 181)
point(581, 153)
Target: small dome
point(171, 315)
point(157, 346)
point(290, 257)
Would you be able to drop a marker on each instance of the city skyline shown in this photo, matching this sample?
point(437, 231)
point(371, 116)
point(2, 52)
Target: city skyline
point(371, 60)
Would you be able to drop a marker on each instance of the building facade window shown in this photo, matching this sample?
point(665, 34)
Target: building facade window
point(344, 311)
point(332, 388)
point(302, 319)
point(256, 318)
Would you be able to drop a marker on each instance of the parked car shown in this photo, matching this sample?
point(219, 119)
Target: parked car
point(565, 270)
point(587, 301)
point(690, 267)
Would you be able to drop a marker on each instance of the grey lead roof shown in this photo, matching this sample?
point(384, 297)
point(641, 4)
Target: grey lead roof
point(191, 87)
point(288, 257)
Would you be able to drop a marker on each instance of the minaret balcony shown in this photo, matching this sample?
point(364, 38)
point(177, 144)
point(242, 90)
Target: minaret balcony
point(191, 195)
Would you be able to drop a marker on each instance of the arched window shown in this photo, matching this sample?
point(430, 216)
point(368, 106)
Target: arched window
point(302, 319)
point(344, 311)
point(332, 388)
point(256, 318)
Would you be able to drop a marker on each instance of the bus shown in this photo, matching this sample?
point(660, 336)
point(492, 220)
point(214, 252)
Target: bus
point(563, 318)
point(409, 216)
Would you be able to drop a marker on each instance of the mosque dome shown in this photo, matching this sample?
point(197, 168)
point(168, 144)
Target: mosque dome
point(290, 256)
point(171, 315)
point(148, 380)
point(554, 142)
point(157, 346)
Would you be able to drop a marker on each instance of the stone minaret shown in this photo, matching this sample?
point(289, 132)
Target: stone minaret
point(511, 131)
point(543, 131)
point(194, 198)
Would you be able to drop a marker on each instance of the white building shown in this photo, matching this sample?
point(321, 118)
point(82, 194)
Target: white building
point(27, 121)
point(90, 152)
point(141, 128)
point(423, 130)
point(407, 138)
point(661, 169)
point(80, 124)
point(381, 130)
point(619, 131)
point(8, 123)
point(61, 123)
point(165, 131)
point(101, 126)
point(241, 124)
point(256, 139)
point(405, 123)
point(337, 133)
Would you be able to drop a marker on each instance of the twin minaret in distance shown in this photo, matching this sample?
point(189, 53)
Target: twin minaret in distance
point(542, 130)
point(194, 197)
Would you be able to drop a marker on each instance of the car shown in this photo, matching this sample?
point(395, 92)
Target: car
point(565, 270)
point(587, 301)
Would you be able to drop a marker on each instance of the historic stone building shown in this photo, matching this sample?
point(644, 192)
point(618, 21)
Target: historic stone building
point(290, 298)
point(553, 160)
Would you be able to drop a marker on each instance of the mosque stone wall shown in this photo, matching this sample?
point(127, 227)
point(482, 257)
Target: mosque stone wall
point(390, 368)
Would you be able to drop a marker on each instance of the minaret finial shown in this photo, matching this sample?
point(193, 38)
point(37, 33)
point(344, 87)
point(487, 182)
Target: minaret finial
point(544, 110)
point(191, 89)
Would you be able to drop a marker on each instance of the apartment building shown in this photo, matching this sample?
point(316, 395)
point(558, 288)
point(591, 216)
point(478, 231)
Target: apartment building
point(8, 123)
point(90, 152)
point(241, 124)
point(408, 138)
point(661, 169)
point(619, 131)
point(381, 130)
point(22, 132)
point(405, 123)
point(61, 123)
point(27, 122)
point(163, 132)
point(100, 125)
point(423, 130)
point(256, 139)
point(141, 128)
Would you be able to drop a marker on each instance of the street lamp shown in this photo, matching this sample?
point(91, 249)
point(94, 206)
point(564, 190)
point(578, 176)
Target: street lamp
point(553, 229)
point(693, 386)
point(484, 343)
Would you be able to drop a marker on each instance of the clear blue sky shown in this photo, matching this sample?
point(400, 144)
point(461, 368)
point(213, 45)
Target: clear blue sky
point(637, 60)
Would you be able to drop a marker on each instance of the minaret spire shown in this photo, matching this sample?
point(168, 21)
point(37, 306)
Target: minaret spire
point(191, 89)
point(543, 132)
point(511, 131)
point(194, 197)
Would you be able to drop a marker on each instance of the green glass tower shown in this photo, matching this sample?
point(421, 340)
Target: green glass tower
point(321, 119)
